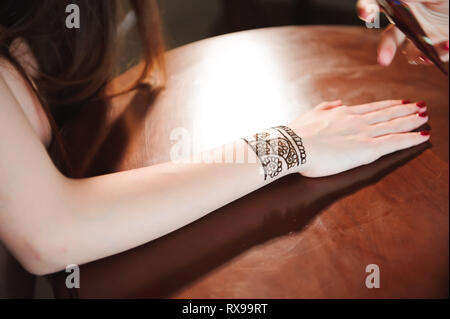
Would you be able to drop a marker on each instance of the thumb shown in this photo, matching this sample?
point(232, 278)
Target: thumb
point(391, 40)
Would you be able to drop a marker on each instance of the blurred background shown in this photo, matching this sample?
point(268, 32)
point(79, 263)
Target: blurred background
point(187, 21)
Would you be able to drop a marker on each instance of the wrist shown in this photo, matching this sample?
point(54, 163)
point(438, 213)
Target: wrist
point(279, 150)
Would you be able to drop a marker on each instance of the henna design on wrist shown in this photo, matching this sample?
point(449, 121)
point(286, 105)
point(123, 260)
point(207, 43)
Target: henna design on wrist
point(298, 141)
point(282, 152)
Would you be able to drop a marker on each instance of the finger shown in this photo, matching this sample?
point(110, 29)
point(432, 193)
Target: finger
point(329, 105)
point(443, 50)
point(399, 125)
point(367, 9)
point(388, 144)
point(394, 112)
point(391, 40)
point(375, 106)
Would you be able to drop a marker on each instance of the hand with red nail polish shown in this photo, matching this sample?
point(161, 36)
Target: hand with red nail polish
point(339, 137)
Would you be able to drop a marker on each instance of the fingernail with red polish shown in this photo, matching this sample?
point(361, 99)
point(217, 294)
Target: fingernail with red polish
point(423, 114)
point(362, 14)
point(421, 104)
point(425, 133)
point(446, 46)
point(406, 101)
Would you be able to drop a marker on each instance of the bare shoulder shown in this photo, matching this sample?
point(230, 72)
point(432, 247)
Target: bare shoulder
point(23, 92)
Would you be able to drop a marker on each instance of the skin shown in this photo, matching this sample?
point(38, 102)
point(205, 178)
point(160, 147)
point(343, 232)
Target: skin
point(393, 39)
point(49, 221)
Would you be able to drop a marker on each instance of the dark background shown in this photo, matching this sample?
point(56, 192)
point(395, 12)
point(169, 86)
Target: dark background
point(187, 21)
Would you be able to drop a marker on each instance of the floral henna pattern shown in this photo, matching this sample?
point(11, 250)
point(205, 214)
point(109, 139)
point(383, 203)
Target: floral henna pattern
point(273, 166)
point(262, 136)
point(285, 151)
point(262, 148)
point(298, 141)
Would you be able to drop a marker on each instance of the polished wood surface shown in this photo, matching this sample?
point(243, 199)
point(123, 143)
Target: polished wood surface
point(298, 237)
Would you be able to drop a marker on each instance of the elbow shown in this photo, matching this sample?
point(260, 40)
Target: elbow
point(40, 268)
point(39, 240)
point(42, 255)
point(39, 265)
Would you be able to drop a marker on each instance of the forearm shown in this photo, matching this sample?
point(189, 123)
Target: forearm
point(113, 213)
point(48, 221)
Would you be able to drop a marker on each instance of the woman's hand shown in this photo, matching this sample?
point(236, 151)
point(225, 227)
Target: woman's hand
point(338, 138)
point(432, 15)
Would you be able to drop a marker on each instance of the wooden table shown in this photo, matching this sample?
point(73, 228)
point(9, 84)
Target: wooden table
point(299, 237)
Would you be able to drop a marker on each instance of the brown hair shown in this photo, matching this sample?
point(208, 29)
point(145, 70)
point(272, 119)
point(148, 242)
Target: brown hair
point(75, 65)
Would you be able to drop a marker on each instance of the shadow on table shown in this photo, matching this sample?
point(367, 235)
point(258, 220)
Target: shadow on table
point(164, 266)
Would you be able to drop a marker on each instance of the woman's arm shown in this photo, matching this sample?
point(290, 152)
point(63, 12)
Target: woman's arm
point(49, 221)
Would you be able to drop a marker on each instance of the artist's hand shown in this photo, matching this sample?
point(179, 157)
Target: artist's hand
point(338, 138)
point(433, 17)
